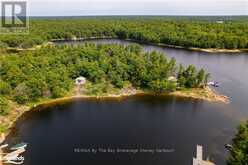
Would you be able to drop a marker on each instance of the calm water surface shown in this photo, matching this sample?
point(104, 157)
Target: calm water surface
point(177, 124)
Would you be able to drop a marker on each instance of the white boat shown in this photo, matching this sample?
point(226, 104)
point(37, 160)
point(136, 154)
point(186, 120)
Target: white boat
point(13, 162)
point(18, 146)
point(214, 83)
point(4, 146)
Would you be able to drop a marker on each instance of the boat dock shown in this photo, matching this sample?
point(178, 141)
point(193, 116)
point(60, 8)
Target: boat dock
point(2, 138)
point(14, 156)
point(14, 153)
point(198, 160)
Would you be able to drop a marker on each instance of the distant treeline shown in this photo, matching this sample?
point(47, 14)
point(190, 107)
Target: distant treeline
point(51, 71)
point(200, 32)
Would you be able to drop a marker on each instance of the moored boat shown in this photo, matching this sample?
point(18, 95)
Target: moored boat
point(214, 83)
point(18, 146)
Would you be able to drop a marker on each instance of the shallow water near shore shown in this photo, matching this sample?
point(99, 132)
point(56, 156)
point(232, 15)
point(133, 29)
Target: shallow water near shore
point(55, 133)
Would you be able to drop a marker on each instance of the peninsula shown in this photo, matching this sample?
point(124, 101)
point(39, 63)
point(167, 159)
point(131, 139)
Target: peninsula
point(55, 73)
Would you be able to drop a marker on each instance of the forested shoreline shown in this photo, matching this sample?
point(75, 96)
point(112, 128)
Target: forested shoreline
point(26, 77)
point(180, 32)
point(52, 70)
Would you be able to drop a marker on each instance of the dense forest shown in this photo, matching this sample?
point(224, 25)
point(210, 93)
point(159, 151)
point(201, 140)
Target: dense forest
point(239, 151)
point(200, 33)
point(50, 72)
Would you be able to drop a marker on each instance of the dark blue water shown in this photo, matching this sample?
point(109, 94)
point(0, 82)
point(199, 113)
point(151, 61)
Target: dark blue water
point(63, 133)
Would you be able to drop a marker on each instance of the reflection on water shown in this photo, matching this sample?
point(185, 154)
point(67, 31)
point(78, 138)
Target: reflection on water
point(136, 122)
point(141, 122)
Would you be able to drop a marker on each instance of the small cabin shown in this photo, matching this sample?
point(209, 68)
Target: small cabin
point(172, 78)
point(220, 21)
point(80, 80)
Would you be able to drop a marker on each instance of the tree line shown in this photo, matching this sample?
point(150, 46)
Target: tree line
point(200, 33)
point(52, 70)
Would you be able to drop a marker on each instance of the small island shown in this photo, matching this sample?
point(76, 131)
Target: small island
point(57, 73)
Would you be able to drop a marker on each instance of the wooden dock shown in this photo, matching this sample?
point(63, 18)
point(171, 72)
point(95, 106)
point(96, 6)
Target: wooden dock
point(198, 160)
point(13, 154)
point(11, 157)
point(2, 138)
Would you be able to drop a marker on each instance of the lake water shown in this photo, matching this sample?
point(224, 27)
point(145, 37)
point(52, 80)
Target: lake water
point(71, 132)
